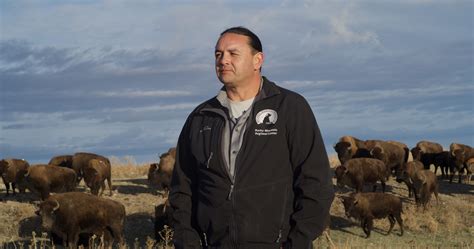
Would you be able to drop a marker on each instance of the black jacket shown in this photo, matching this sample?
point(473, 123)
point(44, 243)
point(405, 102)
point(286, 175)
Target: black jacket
point(282, 190)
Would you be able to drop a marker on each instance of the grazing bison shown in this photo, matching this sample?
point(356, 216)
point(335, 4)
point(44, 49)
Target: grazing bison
point(163, 217)
point(350, 147)
point(460, 153)
point(425, 183)
point(358, 171)
point(406, 174)
point(425, 152)
point(392, 155)
point(43, 179)
point(159, 175)
point(95, 174)
point(81, 160)
point(369, 206)
point(70, 214)
point(11, 171)
point(63, 161)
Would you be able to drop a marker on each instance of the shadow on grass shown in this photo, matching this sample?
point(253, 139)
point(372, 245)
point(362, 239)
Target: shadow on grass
point(138, 227)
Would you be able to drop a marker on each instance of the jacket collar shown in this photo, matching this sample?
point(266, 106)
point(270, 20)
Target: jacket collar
point(268, 89)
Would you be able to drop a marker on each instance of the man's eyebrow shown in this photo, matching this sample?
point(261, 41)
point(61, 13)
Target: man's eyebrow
point(230, 50)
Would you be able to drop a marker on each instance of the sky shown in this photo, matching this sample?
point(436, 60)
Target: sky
point(119, 78)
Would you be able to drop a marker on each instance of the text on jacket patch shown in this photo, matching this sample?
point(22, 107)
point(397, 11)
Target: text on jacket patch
point(266, 132)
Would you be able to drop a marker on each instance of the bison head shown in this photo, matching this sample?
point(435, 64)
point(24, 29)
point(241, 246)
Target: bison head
point(92, 179)
point(378, 153)
point(47, 211)
point(3, 167)
point(344, 151)
point(349, 202)
point(459, 157)
point(402, 174)
point(341, 177)
point(416, 153)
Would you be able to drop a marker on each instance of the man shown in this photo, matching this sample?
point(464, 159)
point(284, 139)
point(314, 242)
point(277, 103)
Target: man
point(251, 168)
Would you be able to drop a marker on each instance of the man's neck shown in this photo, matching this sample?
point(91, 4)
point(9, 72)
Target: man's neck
point(245, 92)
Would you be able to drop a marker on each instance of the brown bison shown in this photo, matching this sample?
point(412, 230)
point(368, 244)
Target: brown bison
point(95, 174)
point(159, 175)
point(425, 184)
point(406, 174)
point(369, 206)
point(81, 159)
point(11, 171)
point(392, 155)
point(63, 161)
point(460, 153)
point(70, 214)
point(425, 152)
point(350, 147)
point(359, 171)
point(43, 179)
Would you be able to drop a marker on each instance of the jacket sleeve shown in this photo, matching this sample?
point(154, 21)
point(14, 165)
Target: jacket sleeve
point(313, 186)
point(183, 185)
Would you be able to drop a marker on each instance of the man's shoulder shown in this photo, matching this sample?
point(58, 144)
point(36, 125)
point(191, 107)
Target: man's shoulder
point(285, 93)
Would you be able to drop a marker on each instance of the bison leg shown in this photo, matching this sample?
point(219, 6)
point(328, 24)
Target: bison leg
point(392, 223)
point(383, 185)
point(7, 187)
point(102, 188)
point(109, 182)
point(398, 217)
point(369, 224)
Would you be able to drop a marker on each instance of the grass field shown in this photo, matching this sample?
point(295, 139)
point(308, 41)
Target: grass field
point(448, 224)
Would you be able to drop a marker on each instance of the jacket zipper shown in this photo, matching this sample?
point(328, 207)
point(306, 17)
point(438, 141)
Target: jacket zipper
point(209, 160)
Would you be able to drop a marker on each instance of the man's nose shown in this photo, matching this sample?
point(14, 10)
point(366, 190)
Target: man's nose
point(223, 60)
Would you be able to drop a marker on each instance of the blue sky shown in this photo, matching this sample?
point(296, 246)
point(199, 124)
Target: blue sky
point(119, 78)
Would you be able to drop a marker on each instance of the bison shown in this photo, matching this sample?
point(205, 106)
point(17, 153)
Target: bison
point(369, 206)
point(460, 153)
point(425, 152)
point(350, 147)
point(43, 179)
point(425, 183)
point(159, 175)
point(63, 161)
point(81, 159)
point(95, 174)
point(392, 155)
point(358, 171)
point(70, 214)
point(444, 161)
point(11, 171)
point(407, 174)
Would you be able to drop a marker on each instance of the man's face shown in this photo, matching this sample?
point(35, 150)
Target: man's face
point(236, 63)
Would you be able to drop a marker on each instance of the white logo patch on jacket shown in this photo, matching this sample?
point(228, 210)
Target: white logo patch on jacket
point(266, 117)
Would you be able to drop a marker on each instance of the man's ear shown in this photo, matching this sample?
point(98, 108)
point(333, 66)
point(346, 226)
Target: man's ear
point(258, 59)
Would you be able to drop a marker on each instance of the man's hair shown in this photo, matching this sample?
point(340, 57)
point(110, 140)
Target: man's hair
point(254, 40)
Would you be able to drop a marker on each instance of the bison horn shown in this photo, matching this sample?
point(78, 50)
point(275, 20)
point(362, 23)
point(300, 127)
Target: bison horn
point(57, 206)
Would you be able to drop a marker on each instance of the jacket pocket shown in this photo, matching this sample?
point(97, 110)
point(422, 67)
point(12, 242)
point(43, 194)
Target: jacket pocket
point(265, 215)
